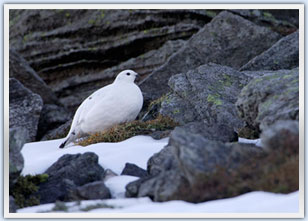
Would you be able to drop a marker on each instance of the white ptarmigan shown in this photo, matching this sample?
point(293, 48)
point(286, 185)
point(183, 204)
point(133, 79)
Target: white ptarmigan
point(113, 104)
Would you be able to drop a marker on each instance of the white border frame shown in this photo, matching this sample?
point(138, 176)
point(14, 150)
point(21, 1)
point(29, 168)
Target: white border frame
point(7, 7)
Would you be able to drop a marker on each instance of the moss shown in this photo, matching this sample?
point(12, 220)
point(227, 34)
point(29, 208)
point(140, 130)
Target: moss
point(145, 31)
point(102, 14)
point(227, 81)
point(67, 14)
point(60, 206)
point(268, 15)
point(287, 76)
point(25, 188)
point(210, 13)
point(176, 111)
point(96, 206)
point(159, 101)
point(214, 99)
point(91, 21)
point(26, 38)
point(127, 130)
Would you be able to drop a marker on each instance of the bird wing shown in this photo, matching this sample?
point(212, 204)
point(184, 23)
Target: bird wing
point(86, 107)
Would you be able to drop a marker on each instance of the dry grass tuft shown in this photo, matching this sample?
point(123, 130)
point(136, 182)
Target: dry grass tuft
point(124, 131)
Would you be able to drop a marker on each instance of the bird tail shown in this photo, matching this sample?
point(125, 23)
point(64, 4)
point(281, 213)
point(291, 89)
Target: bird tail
point(63, 144)
point(70, 138)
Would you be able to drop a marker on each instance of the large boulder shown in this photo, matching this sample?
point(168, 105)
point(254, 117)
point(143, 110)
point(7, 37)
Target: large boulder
point(282, 55)
point(69, 172)
point(269, 98)
point(21, 70)
point(87, 42)
point(185, 174)
point(25, 108)
point(18, 136)
point(195, 169)
point(227, 40)
point(206, 96)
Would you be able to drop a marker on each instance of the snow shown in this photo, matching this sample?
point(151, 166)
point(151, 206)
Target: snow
point(256, 142)
point(117, 185)
point(38, 156)
point(253, 202)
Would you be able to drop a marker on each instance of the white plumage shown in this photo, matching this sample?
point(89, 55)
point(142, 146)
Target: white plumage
point(113, 104)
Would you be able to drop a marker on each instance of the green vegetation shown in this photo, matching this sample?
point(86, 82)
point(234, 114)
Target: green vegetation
point(60, 206)
point(124, 131)
point(96, 206)
point(25, 188)
point(214, 99)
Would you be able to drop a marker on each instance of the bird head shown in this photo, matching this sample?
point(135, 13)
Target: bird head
point(127, 76)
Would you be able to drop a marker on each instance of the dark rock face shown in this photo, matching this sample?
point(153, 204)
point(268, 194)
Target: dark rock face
point(52, 116)
point(271, 97)
point(58, 132)
point(227, 40)
point(133, 170)
point(91, 191)
point(282, 21)
point(18, 136)
point(13, 207)
point(87, 42)
point(282, 55)
point(25, 108)
point(282, 136)
point(193, 159)
point(206, 95)
point(69, 172)
point(20, 70)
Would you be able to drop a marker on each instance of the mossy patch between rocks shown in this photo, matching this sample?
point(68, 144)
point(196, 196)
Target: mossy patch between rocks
point(124, 131)
point(25, 188)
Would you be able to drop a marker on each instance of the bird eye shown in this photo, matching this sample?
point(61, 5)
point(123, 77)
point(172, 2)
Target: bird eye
point(127, 74)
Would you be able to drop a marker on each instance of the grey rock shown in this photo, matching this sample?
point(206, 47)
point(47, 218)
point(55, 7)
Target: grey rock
point(52, 116)
point(13, 207)
point(206, 96)
point(58, 132)
point(282, 136)
point(87, 42)
point(69, 172)
point(196, 158)
point(282, 55)
point(227, 40)
point(91, 191)
point(161, 161)
point(282, 21)
point(18, 136)
point(133, 170)
point(21, 70)
point(25, 108)
point(108, 173)
point(269, 98)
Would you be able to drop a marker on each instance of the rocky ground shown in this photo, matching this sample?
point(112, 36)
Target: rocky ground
point(218, 75)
